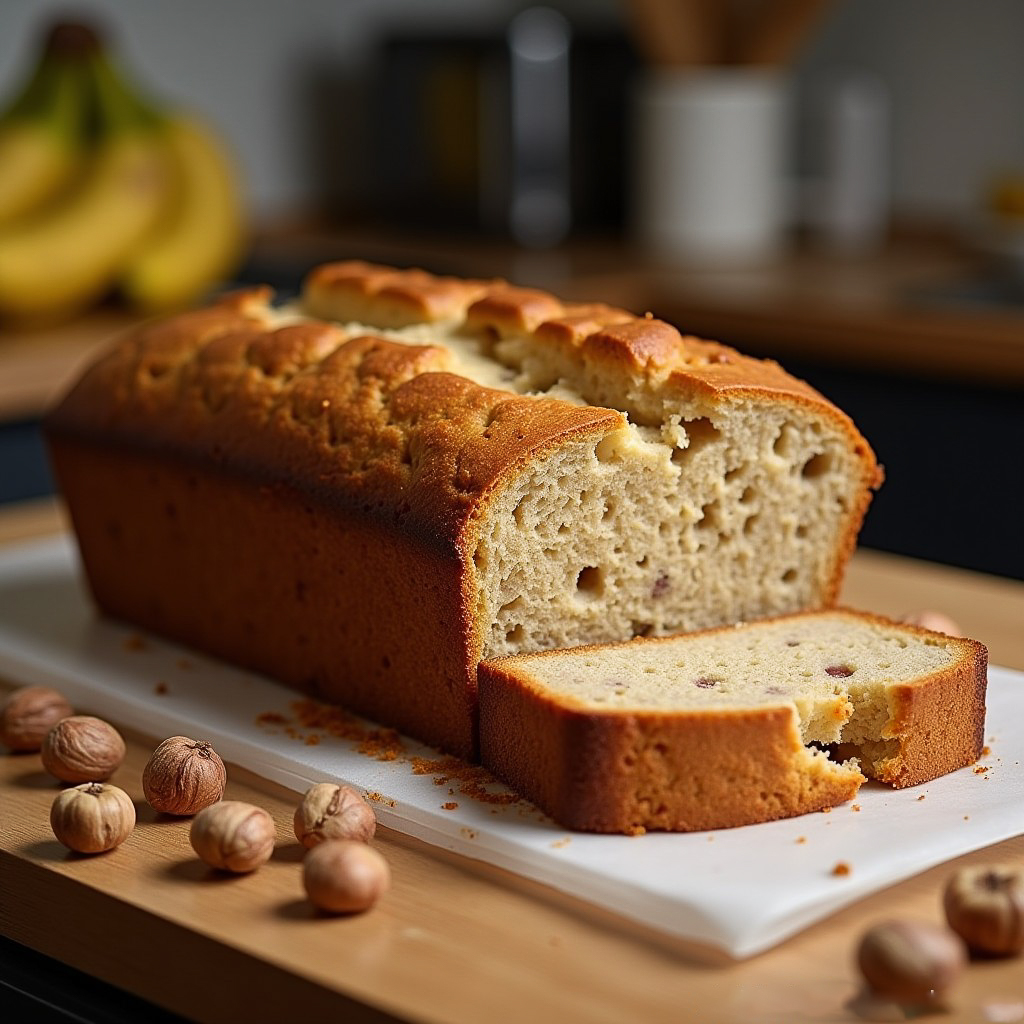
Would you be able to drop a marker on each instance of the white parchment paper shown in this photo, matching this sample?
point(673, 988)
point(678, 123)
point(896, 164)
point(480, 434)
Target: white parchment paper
point(739, 890)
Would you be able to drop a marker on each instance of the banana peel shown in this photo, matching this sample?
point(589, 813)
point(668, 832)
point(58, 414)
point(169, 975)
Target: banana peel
point(69, 256)
point(42, 133)
point(200, 238)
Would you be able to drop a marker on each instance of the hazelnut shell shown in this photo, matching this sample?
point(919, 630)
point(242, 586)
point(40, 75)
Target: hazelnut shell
point(28, 714)
point(344, 876)
point(984, 905)
point(232, 835)
point(82, 748)
point(331, 811)
point(93, 817)
point(910, 961)
point(183, 776)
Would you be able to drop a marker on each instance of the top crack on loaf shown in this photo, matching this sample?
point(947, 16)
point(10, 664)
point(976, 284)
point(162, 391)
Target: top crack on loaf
point(370, 491)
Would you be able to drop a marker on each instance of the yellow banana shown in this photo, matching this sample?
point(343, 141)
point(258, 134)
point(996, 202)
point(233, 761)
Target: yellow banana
point(200, 238)
point(41, 132)
point(70, 255)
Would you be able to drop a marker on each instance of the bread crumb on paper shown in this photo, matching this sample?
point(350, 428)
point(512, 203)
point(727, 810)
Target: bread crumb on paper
point(842, 869)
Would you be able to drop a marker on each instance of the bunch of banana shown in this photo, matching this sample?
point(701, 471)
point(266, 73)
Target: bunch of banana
point(99, 190)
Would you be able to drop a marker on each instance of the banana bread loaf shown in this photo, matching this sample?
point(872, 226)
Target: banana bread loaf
point(366, 494)
point(711, 729)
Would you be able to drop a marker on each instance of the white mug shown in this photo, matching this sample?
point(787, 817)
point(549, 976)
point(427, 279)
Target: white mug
point(712, 151)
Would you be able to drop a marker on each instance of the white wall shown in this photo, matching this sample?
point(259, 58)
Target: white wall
point(955, 69)
point(955, 74)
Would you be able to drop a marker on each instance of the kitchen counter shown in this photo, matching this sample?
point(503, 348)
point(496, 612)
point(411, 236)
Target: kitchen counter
point(922, 306)
point(454, 940)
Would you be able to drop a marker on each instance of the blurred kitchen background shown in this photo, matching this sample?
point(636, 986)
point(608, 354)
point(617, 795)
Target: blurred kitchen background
point(838, 185)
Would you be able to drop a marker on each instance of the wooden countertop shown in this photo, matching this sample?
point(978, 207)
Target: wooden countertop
point(880, 312)
point(454, 940)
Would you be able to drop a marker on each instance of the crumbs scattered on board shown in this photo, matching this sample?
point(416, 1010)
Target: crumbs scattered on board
point(451, 805)
point(801, 839)
point(161, 689)
point(310, 722)
point(854, 807)
point(471, 780)
point(271, 718)
point(558, 844)
point(842, 869)
point(467, 833)
point(379, 798)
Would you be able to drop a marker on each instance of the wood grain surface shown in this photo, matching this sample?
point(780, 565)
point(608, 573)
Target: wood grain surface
point(454, 940)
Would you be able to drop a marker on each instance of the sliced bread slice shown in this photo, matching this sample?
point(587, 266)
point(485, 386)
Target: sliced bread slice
point(731, 726)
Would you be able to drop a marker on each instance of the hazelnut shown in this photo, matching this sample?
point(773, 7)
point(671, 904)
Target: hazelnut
point(233, 836)
point(82, 749)
point(937, 622)
point(329, 811)
point(183, 776)
point(28, 714)
point(344, 876)
point(985, 907)
point(910, 961)
point(92, 817)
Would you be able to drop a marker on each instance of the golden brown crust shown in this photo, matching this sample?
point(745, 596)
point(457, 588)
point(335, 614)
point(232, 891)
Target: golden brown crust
point(357, 421)
point(338, 291)
point(619, 771)
point(261, 577)
point(354, 291)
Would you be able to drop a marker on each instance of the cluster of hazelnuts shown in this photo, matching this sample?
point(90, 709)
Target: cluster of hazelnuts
point(918, 963)
point(342, 873)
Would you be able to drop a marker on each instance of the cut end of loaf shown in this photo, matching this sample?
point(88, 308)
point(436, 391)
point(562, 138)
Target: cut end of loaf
point(730, 492)
point(660, 530)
